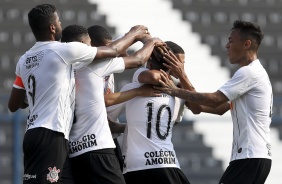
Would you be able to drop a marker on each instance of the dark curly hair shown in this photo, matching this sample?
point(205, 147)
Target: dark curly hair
point(99, 35)
point(40, 17)
point(175, 48)
point(73, 33)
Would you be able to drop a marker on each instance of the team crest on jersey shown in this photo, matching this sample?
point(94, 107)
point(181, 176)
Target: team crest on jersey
point(106, 78)
point(53, 176)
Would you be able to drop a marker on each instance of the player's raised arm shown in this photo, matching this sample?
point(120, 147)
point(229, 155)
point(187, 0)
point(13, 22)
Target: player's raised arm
point(117, 47)
point(141, 56)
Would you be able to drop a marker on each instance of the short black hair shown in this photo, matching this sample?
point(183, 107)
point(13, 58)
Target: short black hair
point(40, 17)
point(99, 35)
point(73, 33)
point(249, 31)
point(175, 48)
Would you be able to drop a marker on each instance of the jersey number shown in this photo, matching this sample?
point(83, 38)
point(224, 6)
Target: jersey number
point(31, 87)
point(158, 121)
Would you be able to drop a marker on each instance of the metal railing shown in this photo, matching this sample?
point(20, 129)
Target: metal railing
point(16, 120)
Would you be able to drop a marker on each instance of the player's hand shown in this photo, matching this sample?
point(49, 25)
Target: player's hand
point(141, 32)
point(157, 42)
point(161, 49)
point(167, 85)
point(147, 90)
point(175, 66)
point(159, 52)
point(146, 38)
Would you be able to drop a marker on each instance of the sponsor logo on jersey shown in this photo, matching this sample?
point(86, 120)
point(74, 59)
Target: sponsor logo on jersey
point(269, 149)
point(34, 60)
point(29, 176)
point(30, 120)
point(160, 157)
point(86, 142)
point(53, 175)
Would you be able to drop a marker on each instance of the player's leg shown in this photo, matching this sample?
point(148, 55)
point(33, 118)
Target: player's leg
point(137, 177)
point(96, 167)
point(67, 174)
point(45, 152)
point(246, 171)
point(263, 169)
point(118, 153)
point(158, 175)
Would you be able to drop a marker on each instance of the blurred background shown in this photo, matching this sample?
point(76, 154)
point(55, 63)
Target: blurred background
point(201, 27)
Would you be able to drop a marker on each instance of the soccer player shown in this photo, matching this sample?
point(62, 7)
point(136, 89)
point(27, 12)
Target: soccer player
point(148, 152)
point(250, 94)
point(100, 36)
point(91, 146)
point(44, 75)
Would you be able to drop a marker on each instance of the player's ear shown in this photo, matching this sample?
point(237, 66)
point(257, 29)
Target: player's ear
point(52, 28)
point(247, 44)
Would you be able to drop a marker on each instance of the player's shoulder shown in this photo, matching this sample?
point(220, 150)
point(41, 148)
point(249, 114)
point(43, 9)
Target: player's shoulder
point(141, 69)
point(22, 58)
point(67, 46)
point(48, 46)
point(247, 72)
point(137, 73)
point(130, 86)
point(71, 46)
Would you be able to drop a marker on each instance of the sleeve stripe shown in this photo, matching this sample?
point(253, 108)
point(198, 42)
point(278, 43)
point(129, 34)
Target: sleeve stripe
point(18, 82)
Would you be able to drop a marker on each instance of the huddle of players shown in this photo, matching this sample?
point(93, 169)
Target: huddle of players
point(67, 87)
point(89, 137)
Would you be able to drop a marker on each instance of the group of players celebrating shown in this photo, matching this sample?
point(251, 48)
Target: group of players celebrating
point(66, 80)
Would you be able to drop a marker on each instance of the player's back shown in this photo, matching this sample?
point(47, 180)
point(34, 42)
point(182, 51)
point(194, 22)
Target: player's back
point(149, 129)
point(48, 78)
point(90, 110)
